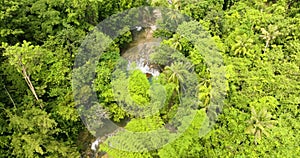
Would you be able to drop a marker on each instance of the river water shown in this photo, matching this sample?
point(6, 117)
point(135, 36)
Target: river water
point(139, 50)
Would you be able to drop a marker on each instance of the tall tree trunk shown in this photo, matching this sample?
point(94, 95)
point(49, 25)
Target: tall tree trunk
point(29, 83)
point(266, 46)
point(11, 99)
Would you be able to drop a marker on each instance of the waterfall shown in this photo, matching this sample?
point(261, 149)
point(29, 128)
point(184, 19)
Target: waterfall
point(142, 61)
point(139, 52)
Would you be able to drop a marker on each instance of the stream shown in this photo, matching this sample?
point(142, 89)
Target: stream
point(138, 53)
point(139, 50)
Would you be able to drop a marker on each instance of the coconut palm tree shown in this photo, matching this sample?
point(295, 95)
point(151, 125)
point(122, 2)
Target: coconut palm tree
point(176, 4)
point(174, 18)
point(176, 72)
point(269, 35)
point(242, 45)
point(260, 122)
point(176, 42)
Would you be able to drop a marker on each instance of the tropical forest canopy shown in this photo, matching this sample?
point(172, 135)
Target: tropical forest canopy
point(259, 42)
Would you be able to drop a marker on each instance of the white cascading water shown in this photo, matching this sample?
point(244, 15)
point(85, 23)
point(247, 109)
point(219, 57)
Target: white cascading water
point(143, 65)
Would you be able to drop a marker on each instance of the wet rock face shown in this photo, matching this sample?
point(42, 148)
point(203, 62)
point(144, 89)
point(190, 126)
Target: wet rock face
point(148, 75)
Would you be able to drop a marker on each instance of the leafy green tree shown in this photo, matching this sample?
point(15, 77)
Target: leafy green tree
point(33, 134)
point(21, 58)
point(185, 145)
point(138, 88)
point(35, 68)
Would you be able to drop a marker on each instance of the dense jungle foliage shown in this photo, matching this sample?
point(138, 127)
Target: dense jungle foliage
point(258, 39)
